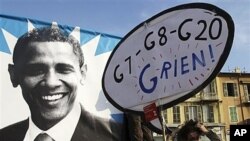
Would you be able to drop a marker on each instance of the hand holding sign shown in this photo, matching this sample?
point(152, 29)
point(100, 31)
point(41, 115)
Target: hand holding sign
point(169, 57)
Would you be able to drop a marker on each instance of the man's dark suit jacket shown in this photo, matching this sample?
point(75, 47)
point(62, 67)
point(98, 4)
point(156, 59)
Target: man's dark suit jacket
point(89, 128)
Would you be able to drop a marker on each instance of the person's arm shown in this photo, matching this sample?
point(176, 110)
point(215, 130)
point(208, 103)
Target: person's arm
point(209, 133)
point(134, 127)
point(212, 136)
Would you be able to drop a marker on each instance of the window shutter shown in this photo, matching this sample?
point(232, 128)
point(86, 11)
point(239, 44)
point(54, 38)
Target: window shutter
point(245, 90)
point(225, 92)
point(235, 89)
point(186, 111)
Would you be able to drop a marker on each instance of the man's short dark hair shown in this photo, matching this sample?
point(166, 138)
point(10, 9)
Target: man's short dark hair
point(187, 128)
point(50, 34)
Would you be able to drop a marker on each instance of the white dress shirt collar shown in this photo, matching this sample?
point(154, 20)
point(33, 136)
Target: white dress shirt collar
point(62, 131)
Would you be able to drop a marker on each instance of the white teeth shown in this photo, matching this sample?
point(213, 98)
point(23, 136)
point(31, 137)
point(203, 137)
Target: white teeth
point(52, 97)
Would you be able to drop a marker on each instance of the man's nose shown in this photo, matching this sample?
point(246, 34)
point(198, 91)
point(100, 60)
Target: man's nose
point(52, 79)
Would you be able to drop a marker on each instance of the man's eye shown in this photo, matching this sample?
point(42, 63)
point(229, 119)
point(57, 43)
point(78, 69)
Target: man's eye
point(64, 69)
point(33, 71)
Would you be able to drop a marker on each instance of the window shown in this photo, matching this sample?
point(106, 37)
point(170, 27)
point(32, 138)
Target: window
point(209, 92)
point(176, 114)
point(192, 112)
point(230, 89)
point(246, 88)
point(165, 115)
point(233, 114)
point(210, 116)
point(211, 88)
point(208, 113)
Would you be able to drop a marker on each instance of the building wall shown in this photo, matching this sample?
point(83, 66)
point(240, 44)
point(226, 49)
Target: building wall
point(242, 107)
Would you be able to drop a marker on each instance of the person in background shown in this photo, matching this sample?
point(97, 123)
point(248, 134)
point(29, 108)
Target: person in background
point(48, 65)
point(193, 130)
point(137, 128)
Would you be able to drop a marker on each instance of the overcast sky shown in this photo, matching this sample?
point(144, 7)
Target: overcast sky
point(118, 17)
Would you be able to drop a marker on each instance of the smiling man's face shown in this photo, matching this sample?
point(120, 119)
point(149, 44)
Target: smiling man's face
point(49, 75)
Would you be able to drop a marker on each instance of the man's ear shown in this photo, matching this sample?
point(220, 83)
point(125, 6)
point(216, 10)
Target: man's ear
point(13, 76)
point(83, 73)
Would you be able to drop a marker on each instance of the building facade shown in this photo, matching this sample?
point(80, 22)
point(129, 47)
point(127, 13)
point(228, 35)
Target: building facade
point(224, 102)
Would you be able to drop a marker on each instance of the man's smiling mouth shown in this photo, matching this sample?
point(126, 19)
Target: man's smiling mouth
point(52, 97)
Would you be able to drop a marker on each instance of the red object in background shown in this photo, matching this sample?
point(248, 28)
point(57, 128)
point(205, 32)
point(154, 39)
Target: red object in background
point(150, 112)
